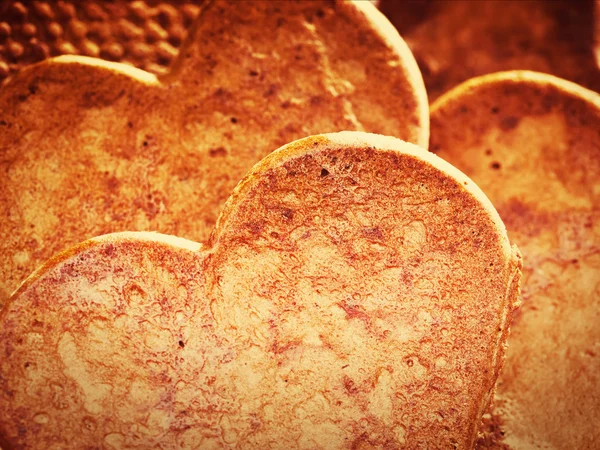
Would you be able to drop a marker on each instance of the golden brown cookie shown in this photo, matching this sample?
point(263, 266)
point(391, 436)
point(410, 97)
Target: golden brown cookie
point(356, 293)
point(460, 39)
point(532, 143)
point(89, 147)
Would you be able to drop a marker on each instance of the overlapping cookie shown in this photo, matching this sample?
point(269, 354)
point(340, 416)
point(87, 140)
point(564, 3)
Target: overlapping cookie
point(355, 293)
point(532, 143)
point(460, 39)
point(89, 147)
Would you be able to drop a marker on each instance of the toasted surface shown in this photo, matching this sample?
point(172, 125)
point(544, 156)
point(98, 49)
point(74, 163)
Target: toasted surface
point(531, 142)
point(460, 39)
point(89, 147)
point(356, 293)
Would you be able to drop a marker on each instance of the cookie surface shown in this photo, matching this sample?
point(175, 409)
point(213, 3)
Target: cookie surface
point(531, 142)
point(145, 34)
point(90, 147)
point(356, 293)
point(460, 39)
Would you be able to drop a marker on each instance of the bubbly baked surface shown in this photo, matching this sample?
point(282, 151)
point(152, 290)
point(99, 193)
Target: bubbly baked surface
point(90, 147)
point(146, 34)
point(356, 293)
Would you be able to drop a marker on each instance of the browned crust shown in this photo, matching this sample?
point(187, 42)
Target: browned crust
point(357, 285)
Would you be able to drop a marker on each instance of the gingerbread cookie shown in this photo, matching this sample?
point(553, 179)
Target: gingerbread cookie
point(460, 39)
point(355, 293)
point(531, 143)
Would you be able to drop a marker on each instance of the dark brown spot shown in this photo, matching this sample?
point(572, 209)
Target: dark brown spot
point(109, 250)
point(255, 227)
point(113, 183)
point(324, 172)
point(271, 91)
point(181, 344)
point(219, 151)
point(234, 120)
point(372, 233)
point(509, 123)
point(549, 101)
point(495, 165)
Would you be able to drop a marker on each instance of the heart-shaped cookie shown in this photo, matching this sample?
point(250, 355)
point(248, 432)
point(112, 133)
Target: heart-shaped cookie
point(532, 143)
point(356, 293)
point(460, 39)
point(89, 147)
